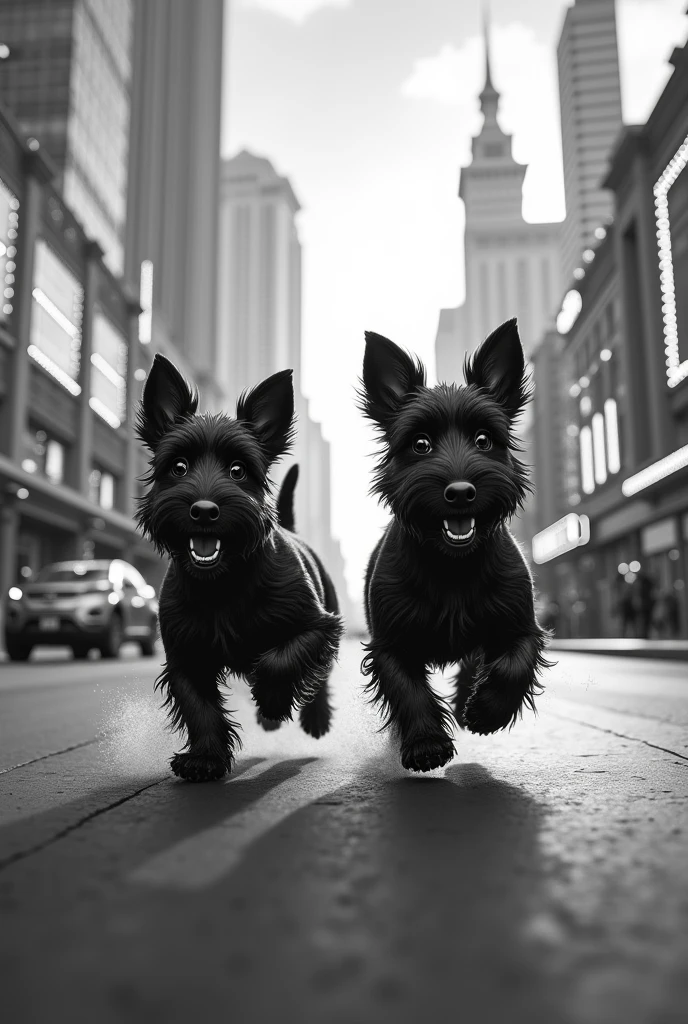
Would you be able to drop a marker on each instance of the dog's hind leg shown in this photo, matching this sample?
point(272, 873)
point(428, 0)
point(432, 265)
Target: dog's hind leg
point(506, 680)
point(195, 706)
point(464, 682)
point(316, 715)
point(421, 720)
point(269, 724)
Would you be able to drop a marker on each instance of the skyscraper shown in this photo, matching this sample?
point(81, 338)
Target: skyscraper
point(512, 267)
point(67, 79)
point(259, 325)
point(590, 100)
point(174, 156)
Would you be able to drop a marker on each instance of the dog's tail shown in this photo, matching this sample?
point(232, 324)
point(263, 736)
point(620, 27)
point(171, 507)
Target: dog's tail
point(285, 499)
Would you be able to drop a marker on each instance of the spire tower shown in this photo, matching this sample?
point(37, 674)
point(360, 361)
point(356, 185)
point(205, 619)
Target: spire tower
point(489, 97)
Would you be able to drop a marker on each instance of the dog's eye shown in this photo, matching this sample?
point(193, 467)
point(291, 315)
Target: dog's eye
point(422, 444)
point(483, 441)
point(180, 467)
point(237, 471)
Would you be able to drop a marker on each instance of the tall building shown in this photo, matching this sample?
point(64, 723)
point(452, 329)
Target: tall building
point(259, 325)
point(624, 329)
point(512, 267)
point(67, 80)
point(590, 100)
point(174, 155)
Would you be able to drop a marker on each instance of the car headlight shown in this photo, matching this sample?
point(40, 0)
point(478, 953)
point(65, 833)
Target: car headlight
point(15, 594)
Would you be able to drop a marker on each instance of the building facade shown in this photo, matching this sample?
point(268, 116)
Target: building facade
point(171, 233)
point(512, 267)
point(626, 347)
point(67, 80)
point(259, 326)
point(590, 103)
point(68, 340)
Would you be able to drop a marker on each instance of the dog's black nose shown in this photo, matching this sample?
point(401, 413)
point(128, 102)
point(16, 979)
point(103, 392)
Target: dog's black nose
point(459, 491)
point(204, 511)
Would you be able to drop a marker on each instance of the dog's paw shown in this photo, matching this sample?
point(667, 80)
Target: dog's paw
point(315, 720)
point(269, 724)
point(489, 710)
point(199, 767)
point(423, 755)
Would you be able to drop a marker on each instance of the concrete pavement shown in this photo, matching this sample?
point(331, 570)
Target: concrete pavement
point(539, 877)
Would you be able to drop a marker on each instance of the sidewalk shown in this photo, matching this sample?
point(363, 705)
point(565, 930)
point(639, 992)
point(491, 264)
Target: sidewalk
point(675, 650)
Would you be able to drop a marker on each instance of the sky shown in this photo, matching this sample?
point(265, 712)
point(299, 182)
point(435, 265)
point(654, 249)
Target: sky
point(368, 107)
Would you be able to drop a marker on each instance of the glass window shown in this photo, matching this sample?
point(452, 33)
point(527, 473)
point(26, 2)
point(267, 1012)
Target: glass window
point(108, 372)
point(56, 315)
point(72, 574)
point(101, 488)
point(43, 455)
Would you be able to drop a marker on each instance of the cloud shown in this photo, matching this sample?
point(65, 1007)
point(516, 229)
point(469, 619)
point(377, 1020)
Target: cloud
point(524, 72)
point(294, 10)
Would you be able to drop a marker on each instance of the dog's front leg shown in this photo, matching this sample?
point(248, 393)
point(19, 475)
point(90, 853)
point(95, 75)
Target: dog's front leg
point(195, 706)
point(292, 674)
point(418, 717)
point(505, 680)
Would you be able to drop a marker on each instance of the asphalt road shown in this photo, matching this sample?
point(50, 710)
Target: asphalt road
point(540, 877)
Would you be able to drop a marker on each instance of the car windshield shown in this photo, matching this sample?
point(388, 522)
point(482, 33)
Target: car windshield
point(75, 574)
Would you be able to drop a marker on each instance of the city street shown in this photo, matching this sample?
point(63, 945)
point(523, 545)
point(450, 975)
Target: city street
point(539, 877)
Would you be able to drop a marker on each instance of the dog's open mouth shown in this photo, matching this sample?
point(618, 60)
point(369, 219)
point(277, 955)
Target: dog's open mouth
point(458, 530)
point(204, 550)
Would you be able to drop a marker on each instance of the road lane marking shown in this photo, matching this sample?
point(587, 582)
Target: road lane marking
point(205, 858)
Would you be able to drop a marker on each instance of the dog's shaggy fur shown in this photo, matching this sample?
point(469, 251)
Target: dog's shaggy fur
point(242, 593)
point(447, 582)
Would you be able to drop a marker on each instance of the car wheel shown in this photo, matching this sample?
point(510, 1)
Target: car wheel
point(148, 645)
point(18, 652)
point(113, 638)
point(80, 653)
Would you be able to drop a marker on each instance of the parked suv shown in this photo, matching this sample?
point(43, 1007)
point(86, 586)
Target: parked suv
point(83, 605)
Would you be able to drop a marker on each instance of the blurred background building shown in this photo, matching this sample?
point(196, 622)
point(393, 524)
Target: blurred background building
point(612, 444)
point(590, 104)
point(512, 267)
point(259, 307)
point(109, 214)
point(171, 233)
point(602, 307)
point(68, 81)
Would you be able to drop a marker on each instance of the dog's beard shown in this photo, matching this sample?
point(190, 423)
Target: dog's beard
point(209, 552)
point(453, 534)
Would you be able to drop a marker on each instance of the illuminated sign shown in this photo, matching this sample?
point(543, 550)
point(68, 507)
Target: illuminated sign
point(656, 472)
point(676, 370)
point(566, 534)
point(9, 221)
point(570, 308)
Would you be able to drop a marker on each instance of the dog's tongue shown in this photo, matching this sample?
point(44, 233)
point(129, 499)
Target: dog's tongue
point(204, 545)
point(460, 525)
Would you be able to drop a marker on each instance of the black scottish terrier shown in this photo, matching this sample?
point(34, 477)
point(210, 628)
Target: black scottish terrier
point(242, 593)
point(447, 582)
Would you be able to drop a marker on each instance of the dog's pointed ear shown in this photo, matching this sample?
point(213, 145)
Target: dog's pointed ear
point(390, 378)
point(269, 409)
point(166, 399)
point(498, 365)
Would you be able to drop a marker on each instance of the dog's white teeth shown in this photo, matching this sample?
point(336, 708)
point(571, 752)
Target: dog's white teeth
point(458, 536)
point(217, 545)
